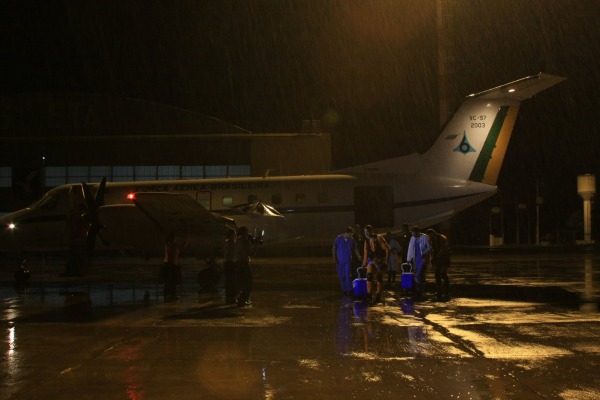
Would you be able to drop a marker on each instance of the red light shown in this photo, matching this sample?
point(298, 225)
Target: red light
point(131, 196)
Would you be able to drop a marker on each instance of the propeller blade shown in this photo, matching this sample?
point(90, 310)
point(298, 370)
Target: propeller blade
point(258, 208)
point(93, 203)
point(89, 198)
point(100, 193)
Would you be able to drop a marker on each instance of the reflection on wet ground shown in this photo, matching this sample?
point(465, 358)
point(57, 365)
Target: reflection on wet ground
point(515, 327)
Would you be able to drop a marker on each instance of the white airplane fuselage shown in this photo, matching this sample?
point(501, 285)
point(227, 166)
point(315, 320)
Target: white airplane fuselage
point(458, 171)
point(316, 207)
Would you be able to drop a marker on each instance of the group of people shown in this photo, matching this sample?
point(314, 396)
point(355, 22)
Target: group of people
point(236, 266)
point(383, 254)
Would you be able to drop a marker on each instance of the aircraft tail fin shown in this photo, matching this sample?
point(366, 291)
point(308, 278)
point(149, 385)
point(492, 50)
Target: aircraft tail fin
point(473, 143)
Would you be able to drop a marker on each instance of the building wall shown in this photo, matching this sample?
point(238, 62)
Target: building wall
point(78, 130)
point(301, 154)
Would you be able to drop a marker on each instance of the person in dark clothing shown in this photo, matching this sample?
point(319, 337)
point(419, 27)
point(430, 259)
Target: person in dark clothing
point(376, 252)
point(344, 250)
point(440, 259)
point(357, 259)
point(229, 267)
point(242, 264)
point(392, 261)
point(170, 270)
point(404, 241)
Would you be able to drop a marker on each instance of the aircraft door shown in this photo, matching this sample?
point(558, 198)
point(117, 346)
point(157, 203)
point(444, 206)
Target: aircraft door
point(374, 205)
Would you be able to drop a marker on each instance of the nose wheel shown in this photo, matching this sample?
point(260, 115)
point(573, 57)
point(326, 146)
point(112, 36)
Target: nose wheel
point(22, 273)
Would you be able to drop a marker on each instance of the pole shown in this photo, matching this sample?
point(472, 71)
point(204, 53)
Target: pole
point(537, 213)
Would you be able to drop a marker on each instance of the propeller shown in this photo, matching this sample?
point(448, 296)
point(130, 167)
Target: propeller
point(258, 208)
point(93, 204)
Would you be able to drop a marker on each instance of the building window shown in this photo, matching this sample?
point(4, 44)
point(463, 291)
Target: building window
point(99, 172)
point(169, 172)
point(5, 176)
point(77, 174)
point(55, 176)
point(122, 173)
point(215, 171)
point(192, 172)
point(238, 170)
point(145, 173)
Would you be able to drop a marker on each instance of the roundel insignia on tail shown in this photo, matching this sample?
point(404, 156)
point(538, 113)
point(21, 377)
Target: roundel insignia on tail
point(464, 146)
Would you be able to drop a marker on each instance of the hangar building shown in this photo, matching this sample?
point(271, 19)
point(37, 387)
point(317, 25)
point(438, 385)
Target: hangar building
point(50, 139)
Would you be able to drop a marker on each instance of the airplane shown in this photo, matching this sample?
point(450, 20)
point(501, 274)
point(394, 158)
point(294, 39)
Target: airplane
point(458, 171)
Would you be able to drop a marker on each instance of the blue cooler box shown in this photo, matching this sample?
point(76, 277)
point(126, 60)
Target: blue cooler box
point(359, 285)
point(407, 277)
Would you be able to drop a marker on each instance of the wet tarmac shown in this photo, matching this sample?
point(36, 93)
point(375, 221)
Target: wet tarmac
point(515, 327)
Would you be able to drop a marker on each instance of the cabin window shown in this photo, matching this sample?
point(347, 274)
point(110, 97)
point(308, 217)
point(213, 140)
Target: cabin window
point(227, 201)
point(204, 199)
point(300, 198)
point(323, 197)
point(252, 198)
point(48, 203)
point(5, 176)
point(276, 199)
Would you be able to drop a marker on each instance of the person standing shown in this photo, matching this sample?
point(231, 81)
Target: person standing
point(229, 266)
point(404, 241)
point(171, 267)
point(357, 258)
point(419, 253)
point(376, 252)
point(344, 247)
point(392, 260)
point(440, 259)
point(242, 266)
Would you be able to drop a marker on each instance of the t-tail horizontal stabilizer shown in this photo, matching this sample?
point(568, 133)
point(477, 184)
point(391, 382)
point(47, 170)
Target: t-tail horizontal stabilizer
point(473, 143)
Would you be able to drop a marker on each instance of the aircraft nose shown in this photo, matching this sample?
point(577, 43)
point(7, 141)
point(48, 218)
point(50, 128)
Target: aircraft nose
point(5, 222)
point(8, 226)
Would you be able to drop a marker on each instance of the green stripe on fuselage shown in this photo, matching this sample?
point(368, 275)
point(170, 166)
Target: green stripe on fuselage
point(485, 155)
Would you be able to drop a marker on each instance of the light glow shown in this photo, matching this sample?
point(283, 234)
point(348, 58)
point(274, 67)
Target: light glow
point(11, 226)
point(131, 196)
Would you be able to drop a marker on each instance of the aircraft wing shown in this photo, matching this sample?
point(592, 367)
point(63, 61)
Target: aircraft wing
point(175, 211)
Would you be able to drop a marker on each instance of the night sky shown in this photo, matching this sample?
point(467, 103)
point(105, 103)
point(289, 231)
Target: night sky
point(367, 69)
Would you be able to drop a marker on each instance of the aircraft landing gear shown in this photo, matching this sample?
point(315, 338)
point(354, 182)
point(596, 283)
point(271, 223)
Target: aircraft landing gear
point(22, 273)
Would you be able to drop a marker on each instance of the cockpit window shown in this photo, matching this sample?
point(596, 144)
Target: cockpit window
point(48, 202)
